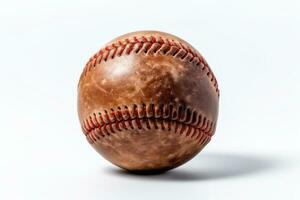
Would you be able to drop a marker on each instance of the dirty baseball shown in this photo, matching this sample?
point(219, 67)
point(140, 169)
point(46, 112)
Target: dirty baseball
point(148, 101)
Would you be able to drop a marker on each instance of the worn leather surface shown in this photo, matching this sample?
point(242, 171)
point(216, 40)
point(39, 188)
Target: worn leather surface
point(148, 101)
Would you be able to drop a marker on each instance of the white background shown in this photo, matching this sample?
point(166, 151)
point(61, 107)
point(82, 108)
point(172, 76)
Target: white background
point(253, 48)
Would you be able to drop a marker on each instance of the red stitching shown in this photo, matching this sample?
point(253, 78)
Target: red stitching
point(186, 122)
point(164, 46)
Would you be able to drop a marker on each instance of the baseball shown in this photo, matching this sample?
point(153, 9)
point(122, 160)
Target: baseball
point(148, 101)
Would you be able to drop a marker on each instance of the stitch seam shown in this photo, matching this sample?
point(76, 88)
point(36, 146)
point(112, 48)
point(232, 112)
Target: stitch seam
point(181, 119)
point(151, 45)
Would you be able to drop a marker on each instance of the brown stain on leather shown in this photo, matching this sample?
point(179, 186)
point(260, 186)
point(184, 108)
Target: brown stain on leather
point(114, 79)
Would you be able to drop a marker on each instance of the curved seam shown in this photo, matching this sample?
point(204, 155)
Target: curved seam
point(184, 130)
point(151, 45)
point(183, 120)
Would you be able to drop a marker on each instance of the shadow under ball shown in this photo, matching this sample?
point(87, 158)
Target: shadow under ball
point(148, 101)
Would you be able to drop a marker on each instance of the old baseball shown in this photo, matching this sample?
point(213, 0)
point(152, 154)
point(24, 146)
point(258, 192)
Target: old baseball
point(148, 101)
